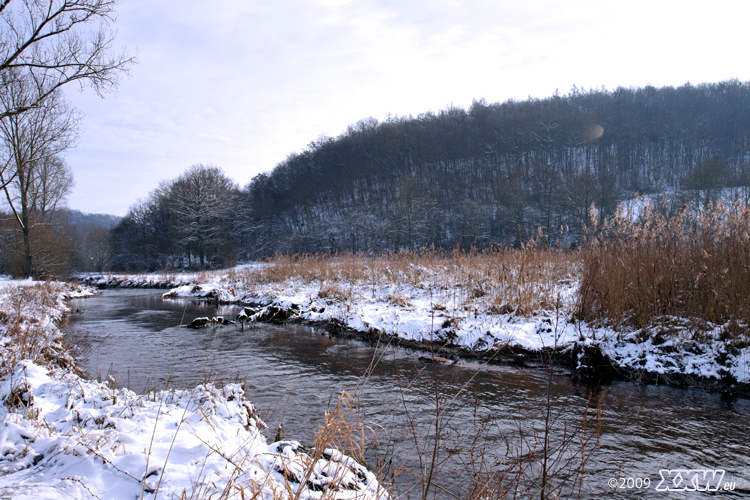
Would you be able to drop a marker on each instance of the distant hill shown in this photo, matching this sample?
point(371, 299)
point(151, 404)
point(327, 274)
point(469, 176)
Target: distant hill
point(495, 173)
point(78, 218)
point(89, 237)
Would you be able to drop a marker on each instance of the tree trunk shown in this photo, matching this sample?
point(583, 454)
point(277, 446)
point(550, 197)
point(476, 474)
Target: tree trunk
point(25, 230)
point(26, 252)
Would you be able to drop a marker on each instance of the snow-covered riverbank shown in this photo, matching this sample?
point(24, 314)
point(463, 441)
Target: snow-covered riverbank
point(428, 313)
point(62, 436)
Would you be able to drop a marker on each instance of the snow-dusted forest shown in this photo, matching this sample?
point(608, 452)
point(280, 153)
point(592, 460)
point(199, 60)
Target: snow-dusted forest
point(493, 175)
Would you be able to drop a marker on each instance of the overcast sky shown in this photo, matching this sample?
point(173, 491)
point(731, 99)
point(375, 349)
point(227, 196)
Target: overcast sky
point(243, 83)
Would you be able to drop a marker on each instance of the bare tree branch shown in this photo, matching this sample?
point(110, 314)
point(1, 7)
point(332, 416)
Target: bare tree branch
point(50, 44)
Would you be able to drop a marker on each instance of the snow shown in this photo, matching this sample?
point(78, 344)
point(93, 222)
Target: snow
point(62, 436)
point(420, 319)
point(710, 359)
point(77, 436)
point(8, 281)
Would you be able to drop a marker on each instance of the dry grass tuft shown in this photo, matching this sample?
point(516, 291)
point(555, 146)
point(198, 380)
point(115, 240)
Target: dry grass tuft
point(399, 300)
point(21, 306)
point(334, 292)
point(344, 429)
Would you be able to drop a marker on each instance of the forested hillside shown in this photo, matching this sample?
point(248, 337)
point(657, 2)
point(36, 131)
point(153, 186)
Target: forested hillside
point(492, 174)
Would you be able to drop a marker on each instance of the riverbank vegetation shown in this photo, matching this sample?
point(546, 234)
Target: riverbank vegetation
point(635, 270)
point(520, 280)
point(30, 315)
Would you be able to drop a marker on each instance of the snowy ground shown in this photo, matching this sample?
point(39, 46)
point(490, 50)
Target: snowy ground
point(410, 312)
point(679, 354)
point(65, 437)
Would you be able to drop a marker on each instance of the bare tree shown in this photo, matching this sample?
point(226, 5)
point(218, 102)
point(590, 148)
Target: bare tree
point(50, 185)
point(29, 147)
point(201, 203)
point(46, 44)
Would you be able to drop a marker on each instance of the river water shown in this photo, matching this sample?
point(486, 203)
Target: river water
point(490, 417)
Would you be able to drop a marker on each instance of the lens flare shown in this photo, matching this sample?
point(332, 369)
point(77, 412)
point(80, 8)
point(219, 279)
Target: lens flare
point(593, 132)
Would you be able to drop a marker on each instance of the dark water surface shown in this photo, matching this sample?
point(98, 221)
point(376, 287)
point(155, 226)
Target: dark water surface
point(491, 416)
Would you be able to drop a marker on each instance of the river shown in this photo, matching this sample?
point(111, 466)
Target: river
point(490, 416)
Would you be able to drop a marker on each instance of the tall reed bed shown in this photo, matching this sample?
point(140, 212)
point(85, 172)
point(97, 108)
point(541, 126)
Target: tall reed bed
point(641, 268)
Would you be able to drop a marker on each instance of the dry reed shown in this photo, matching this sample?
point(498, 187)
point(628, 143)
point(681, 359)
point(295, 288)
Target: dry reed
point(639, 270)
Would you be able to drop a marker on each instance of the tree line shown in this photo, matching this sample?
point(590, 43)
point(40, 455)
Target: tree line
point(187, 222)
point(67, 241)
point(492, 174)
point(495, 173)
